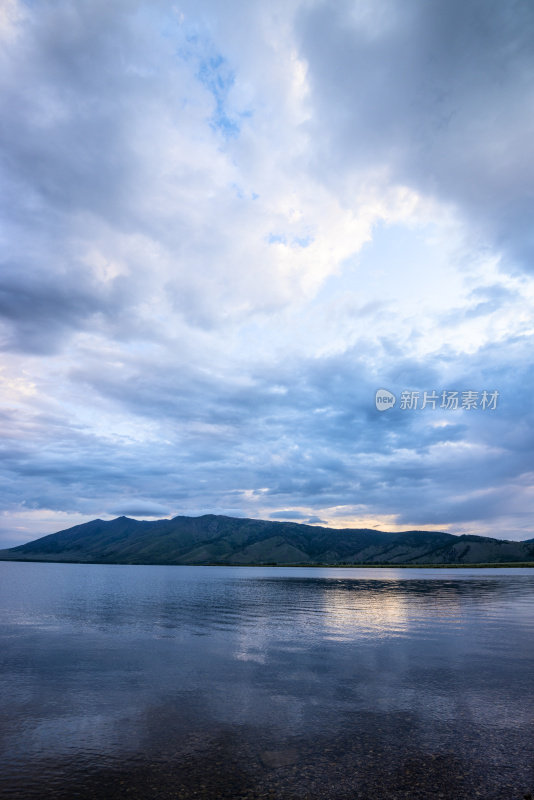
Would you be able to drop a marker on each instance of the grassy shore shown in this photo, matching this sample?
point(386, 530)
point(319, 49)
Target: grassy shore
point(529, 564)
point(385, 565)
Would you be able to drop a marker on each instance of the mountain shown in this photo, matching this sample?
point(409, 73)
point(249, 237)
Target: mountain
point(213, 539)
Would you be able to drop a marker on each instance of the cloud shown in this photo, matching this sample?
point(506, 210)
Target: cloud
point(437, 97)
point(223, 231)
point(316, 445)
point(288, 515)
point(117, 129)
point(139, 509)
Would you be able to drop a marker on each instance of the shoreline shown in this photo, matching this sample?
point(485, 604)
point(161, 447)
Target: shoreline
point(481, 565)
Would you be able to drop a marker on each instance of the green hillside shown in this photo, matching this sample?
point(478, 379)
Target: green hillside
point(212, 539)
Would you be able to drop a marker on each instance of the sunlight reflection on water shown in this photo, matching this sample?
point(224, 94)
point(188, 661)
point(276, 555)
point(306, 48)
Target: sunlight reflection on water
point(109, 669)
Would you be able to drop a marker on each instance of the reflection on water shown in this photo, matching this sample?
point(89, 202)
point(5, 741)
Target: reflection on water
point(141, 682)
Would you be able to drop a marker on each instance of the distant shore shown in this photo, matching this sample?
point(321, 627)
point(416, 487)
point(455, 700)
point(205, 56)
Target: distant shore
point(487, 565)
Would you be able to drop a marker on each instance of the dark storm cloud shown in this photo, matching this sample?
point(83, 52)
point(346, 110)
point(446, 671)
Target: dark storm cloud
point(436, 95)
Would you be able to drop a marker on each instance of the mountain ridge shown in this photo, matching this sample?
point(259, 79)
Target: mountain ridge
point(240, 541)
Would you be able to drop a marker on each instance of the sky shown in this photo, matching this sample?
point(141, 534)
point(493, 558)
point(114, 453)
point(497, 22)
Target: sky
point(226, 226)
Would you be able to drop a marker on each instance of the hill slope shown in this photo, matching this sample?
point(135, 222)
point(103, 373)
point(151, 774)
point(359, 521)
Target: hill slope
point(212, 539)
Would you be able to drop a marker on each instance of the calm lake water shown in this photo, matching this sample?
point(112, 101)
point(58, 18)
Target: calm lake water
point(215, 682)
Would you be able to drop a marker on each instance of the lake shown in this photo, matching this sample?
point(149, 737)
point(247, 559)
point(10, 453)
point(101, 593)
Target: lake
point(219, 682)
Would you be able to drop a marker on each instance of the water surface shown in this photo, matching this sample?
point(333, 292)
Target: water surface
point(217, 682)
